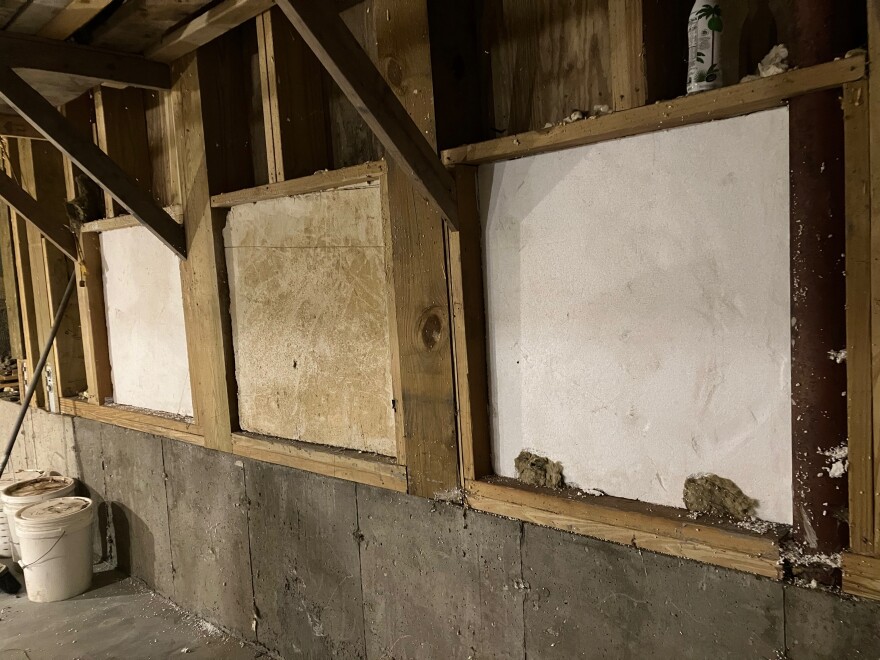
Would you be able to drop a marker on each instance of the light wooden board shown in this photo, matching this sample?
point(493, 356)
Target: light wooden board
point(722, 103)
point(308, 287)
point(138, 420)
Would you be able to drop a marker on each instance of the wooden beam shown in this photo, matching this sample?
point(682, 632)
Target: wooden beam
point(25, 52)
point(215, 22)
point(873, 139)
point(125, 221)
point(15, 126)
point(39, 214)
point(205, 305)
point(70, 19)
point(723, 103)
point(342, 178)
point(339, 52)
point(859, 386)
point(138, 420)
point(91, 160)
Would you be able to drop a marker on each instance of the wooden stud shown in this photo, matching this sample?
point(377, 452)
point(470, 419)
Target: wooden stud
point(10, 287)
point(873, 139)
point(723, 103)
point(421, 320)
point(91, 160)
point(349, 66)
point(21, 51)
point(208, 329)
point(469, 329)
point(628, 83)
point(858, 318)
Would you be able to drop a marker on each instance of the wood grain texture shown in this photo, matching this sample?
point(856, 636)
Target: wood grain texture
point(125, 221)
point(34, 14)
point(873, 7)
point(75, 14)
point(139, 24)
point(469, 329)
point(338, 50)
point(121, 126)
point(138, 420)
point(202, 274)
point(206, 27)
point(320, 181)
point(628, 83)
point(49, 223)
point(548, 58)
point(338, 463)
point(68, 59)
point(654, 528)
point(426, 409)
point(10, 290)
point(859, 390)
point(861, 575)
point(723, 103)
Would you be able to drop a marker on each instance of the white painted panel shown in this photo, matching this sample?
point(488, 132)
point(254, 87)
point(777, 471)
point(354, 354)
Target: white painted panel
point(638, 310)
point(145, 322)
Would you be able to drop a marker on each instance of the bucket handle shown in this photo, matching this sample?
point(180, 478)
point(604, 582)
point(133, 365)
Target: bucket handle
point(37, 561)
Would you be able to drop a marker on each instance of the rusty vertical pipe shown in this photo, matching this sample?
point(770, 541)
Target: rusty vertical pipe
point(819, 412)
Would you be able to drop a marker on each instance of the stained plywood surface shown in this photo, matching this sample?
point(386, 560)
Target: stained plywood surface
point(308, 290)
point(145, 326)
point(638, 315)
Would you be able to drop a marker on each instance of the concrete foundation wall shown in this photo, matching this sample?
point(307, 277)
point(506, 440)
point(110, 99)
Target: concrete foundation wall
point(315, 567)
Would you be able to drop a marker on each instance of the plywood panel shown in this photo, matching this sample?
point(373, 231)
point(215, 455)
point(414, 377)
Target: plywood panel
point(548, 58)
point(638, 310)
point(310, 324)
point(145, 327)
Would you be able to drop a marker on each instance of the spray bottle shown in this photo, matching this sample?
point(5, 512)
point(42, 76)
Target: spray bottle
point(704, 46)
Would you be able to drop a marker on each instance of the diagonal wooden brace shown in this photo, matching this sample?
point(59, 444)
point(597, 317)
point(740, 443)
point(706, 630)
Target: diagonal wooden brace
point(50, 223)
point(91, 160)
point(327, 35)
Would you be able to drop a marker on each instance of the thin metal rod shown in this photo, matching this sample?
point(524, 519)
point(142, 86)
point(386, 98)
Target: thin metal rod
point(35, 376)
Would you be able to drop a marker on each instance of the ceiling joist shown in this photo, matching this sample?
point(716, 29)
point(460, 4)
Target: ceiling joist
point(26, 52)
point(91, 160)
point(327, 35)
point(50, 224)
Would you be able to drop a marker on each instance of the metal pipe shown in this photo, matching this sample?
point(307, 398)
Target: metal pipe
point(35, 377)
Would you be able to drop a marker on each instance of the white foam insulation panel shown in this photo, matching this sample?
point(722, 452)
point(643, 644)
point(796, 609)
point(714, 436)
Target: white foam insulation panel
point(310, 320)
point(145, 327)
point(639, 326)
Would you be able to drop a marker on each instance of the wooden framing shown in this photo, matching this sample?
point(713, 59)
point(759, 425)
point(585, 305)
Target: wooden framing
point(43, 216)
point(76, 14)
point(435, 293)
point(722, 103)
point(336, 48)
point(90, 159)
point(22, 51)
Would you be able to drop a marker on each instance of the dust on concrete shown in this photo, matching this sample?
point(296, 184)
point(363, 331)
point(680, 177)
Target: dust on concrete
point(714, 495)
point(538, 470)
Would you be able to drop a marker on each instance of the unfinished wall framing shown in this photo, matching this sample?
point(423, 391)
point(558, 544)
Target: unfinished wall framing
point(254, 121)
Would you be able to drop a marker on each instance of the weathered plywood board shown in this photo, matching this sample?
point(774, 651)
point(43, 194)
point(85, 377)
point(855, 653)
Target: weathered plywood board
point(145, 327)
point(638, 315)
point(310, 323)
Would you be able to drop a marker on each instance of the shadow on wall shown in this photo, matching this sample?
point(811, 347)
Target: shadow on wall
point(127, 526)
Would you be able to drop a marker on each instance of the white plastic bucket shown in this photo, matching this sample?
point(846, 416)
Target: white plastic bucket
point(32, 491)
point(56, 547)
point(5, 535)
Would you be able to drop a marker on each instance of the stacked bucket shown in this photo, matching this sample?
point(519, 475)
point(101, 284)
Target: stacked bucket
point(48, 532)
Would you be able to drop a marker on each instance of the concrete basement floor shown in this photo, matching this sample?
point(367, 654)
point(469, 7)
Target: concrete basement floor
point(118, 618)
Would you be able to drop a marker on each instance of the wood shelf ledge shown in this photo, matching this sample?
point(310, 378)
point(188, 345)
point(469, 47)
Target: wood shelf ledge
point(347, 464)
point(155, 424)
point(724, 103)
point(651, 527)
point(126, 221)
point(356, 175)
